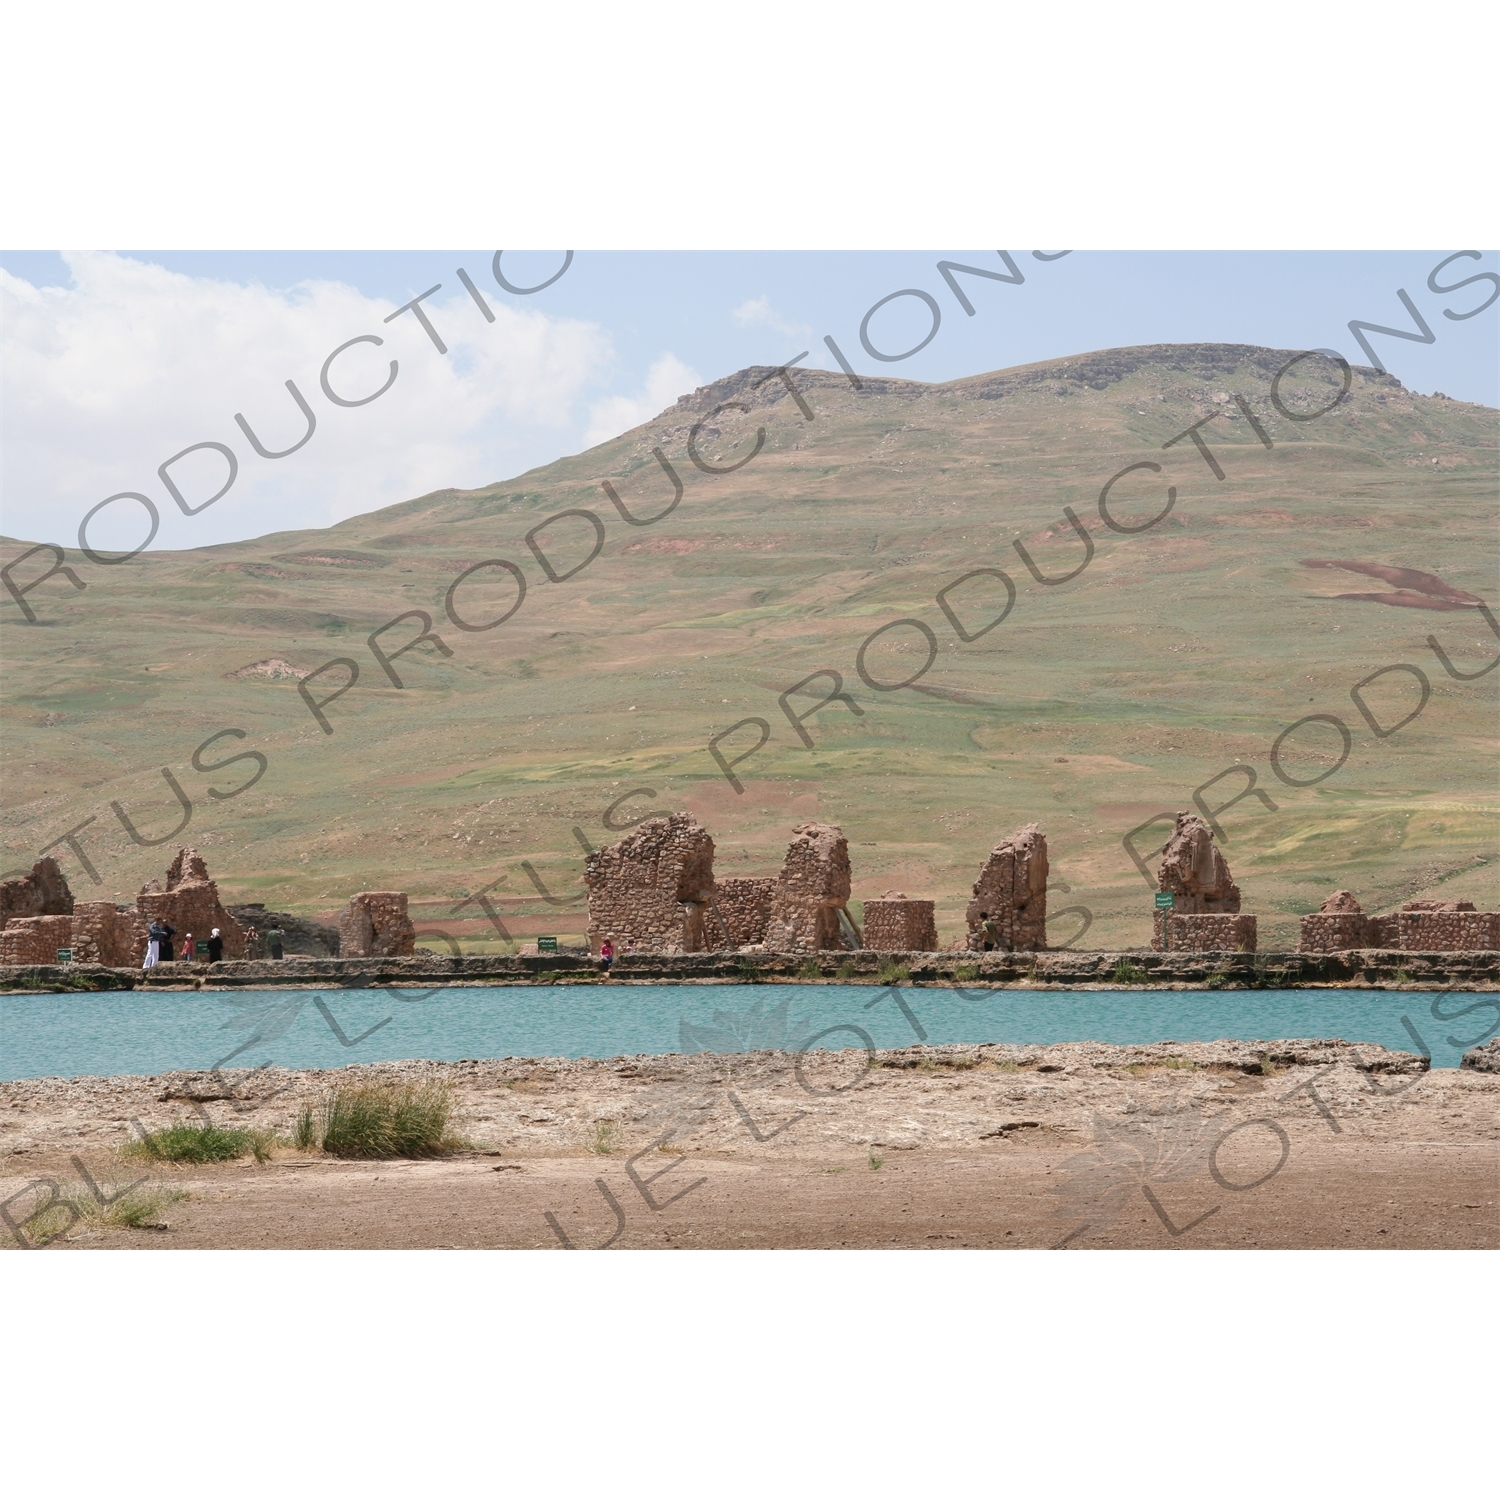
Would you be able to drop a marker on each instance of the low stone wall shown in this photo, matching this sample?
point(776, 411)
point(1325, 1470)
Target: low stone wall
point(1333, 932)
point(1419, 927)
point(896, 924)
point(1448, 931)
point(35, 940)
point(104, 933)
point(1219, 932)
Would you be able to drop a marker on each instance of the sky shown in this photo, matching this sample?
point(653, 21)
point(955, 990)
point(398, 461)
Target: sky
point(113, 363)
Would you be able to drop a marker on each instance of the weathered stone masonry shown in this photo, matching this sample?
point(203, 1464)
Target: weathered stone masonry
point(1012, 889)
point(1205, 915)
point(375, 925)
point(896, 924)
point(652, 889)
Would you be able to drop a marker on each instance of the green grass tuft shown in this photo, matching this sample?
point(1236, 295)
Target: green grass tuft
point(810, 970)
point(890, 972)
point(606, 1138)
point(1126, 972)
point(194, 1143)
point(386, 1120)
point(876, 1162)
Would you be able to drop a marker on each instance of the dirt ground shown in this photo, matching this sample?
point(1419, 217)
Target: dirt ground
point(1292, 1144)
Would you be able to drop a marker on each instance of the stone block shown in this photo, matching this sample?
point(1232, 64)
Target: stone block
point(375, 925)
point(1206, 932)
point(897, 924)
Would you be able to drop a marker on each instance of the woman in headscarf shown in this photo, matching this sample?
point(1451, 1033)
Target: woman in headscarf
point(215, 946)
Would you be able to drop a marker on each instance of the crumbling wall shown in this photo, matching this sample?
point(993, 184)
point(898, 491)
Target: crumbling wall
point(811, 891)
point(651, 890)
point(190, 904)
point(1197, 875)
point(1209, 932)
point(42, 893)
point(897, 924)
point(104, 933)
point(1012, 889)
point(742, 905)
point(35, 940)
point(1446, 927)
point(1419, 927)
point(375, 925)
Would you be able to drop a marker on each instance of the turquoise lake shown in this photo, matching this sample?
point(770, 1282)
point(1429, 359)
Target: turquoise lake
point(124, 1032)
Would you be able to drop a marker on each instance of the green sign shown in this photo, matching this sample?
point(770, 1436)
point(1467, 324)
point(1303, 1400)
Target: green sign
point(546, 945)
point(65, 955)
point(1164, 898)
point(201, 948)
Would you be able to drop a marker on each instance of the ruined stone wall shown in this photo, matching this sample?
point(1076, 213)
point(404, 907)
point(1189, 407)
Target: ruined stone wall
point(1012, 888)
point(744, 905)
point(42, 893)
point(896, 924)
point(104, 933)
point(811, 891)
point(651, 890)
point(1213, 932)
point(190, 904)
point(1195, 872)
point(1419, 927)
point(35, 940)
point(1447, 931)
point(375, 925)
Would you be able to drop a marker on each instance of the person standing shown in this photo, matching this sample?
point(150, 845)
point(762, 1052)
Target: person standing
point(252, 943)
point(168, 932)
point(154, 936)
point(187, 948)
point(990, 930)
point(215, 947)
point(275, 935)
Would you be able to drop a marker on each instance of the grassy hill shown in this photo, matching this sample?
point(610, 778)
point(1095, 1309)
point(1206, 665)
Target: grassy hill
point(1178, 652)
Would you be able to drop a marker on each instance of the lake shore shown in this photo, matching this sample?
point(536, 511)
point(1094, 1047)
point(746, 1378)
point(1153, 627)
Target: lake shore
point(1292, 1143)
point(1062, 969)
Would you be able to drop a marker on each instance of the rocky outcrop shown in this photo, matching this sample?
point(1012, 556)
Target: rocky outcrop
point(897, 924)
point(314, 939)
point(810, 903)
point(1012, 893)
point(375, 925)
point(1484, 1058)
point(651, 891)
point(42, 893)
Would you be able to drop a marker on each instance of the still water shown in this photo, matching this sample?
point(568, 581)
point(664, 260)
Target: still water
point(124, 1032)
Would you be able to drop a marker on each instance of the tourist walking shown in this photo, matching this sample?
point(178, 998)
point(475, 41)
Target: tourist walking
point(275, 936)
point(215, 947)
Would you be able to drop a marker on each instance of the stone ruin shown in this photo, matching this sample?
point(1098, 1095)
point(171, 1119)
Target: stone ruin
point(1205, 915)
point(896, 924)
point(102, 932)
point(1012, 889)
point(741, 911)
point(375, 925)
point(190, 904)
point(299, 936)
point(652, 889)
point(655, 892)
point(811, 901)
point(1419, 927)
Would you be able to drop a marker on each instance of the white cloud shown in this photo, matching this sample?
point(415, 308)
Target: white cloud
point(105, 379)
point(666, 380)
point(758, 313)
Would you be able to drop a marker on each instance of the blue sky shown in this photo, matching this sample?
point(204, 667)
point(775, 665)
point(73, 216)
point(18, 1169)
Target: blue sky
point(115, 362)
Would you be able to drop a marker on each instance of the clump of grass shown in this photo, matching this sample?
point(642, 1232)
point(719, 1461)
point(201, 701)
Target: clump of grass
point(847, 969)
point(305, 1137)
point(136, 1206)
point(876, 1162)
point(195, 1143)
point(890, 972)
point(382, 1120)
point(1269, 1068)
point(810, 970)
point(606, 1141)
point(1126, 972)
point(966, 972)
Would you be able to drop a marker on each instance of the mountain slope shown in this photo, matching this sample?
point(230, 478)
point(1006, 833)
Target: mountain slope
point(1177, 652)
